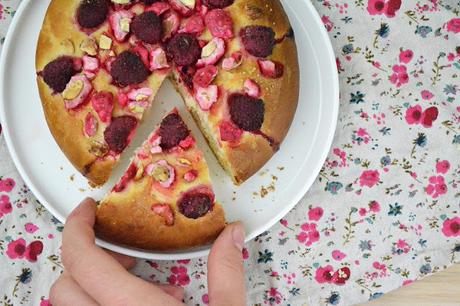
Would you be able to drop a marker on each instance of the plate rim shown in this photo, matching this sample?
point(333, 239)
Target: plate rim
point(186, 254)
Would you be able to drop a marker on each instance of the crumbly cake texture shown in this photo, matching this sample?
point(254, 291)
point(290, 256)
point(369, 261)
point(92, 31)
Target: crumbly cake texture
point(164, 201)
point(100, 63)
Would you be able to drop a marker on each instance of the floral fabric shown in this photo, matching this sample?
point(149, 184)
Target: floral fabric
point(384, 210)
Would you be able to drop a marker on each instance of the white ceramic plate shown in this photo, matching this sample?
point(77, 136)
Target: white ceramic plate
point(59, 187)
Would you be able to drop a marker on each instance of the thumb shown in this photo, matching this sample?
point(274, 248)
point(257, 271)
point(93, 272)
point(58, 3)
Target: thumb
point(226, 281)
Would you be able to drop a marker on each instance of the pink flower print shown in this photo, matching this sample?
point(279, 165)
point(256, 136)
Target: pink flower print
point(407, 282)
point(5, 205)
point(382, 269)
point(338, 255)
point(341, 276)
point(454, 25)
point(451, 227)
point(45, 302)
point(369, 178)
point(436, 186)
point(309, 234)
point(442, 166)
point(392, 7)
point(327, 23)
point(338, 64)
point(6, 185)
point(401, 247)
point(314, 214)
point(205, 299)
point(387, 7)
point(427, 95)
point(374, 206)
point(183, 261)
point(179, 276)
point(33, 250)
point(362, 136)
point(376, 7)
point(16, 249)
point(324, 274)
point(342, 155)
point(406, 56)
point(153, 264)
point(414, 114)
point(245, 253)
point(399, 76)
point(379, 266)
point(275, 295)
point(30, 228)
point(429, 116)
point(362, 212)
point(362, 132)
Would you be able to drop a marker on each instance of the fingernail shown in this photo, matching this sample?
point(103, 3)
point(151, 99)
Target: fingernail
point(238, 235)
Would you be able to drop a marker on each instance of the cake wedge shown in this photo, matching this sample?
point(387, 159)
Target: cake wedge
point(164, 200)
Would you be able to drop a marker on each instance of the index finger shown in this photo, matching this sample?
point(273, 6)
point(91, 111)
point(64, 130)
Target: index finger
point(98, 273)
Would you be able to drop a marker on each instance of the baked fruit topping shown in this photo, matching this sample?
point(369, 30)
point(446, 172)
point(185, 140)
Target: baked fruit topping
point(246, 112)
point(195, 204)
point(117, 134)
point(165, 211)
point(184, 49)
point(76, 91)
point(147, 27)
point(172, 131)
point(149, 2)
point(212, 52)
point(59, 72)
point(204, 76)
point(185, 7)
point(258, 40)
point(92, 13)
point(270, 69)
point(120, 22)
point(218, 3)
point(219, 23)
point(128, 69)
point(102, 103)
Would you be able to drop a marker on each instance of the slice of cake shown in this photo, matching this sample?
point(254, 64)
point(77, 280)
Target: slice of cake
point(164, 200)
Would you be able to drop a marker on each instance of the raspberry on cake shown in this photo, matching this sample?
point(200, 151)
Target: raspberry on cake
point(165, 193)
point(92, 13)
point(147, 27)
point(183, 49)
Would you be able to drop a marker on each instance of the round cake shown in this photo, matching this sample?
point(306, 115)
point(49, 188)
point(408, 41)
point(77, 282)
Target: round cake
point(100, 64)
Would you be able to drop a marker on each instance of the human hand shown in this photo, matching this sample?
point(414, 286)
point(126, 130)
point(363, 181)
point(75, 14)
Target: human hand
point(93, 276)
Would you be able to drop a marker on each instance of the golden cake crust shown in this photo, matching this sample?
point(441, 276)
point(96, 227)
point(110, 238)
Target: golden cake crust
point(58, 37)
point(126, 218)
point(280, 95)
